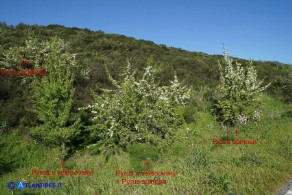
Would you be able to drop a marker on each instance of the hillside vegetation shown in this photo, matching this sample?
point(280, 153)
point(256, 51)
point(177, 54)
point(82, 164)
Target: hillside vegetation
point(110, 102)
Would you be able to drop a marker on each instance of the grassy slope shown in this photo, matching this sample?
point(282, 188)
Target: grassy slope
point(203, 168)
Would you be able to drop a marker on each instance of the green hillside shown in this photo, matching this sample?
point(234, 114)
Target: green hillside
point(174, 136)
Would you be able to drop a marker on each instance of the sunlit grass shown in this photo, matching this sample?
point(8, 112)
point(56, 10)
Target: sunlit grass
point(202, 167)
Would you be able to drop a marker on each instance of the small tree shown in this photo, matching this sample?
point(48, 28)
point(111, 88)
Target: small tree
point(237, 97)
point(52, 94)
point(53, 97)
point(137, 111)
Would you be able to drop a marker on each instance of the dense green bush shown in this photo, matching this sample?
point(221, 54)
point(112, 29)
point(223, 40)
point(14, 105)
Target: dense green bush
point(137, 111)
point(238, 96)
point(196, 160)
point(53, 97)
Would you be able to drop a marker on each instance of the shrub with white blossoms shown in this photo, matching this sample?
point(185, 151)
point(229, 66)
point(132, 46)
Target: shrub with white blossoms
point(35, 51)
point(137, 110)
point(238, 99)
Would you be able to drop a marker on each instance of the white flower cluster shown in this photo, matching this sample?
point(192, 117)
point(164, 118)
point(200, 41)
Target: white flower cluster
point(242, 119)
point(239, 82)
point(256, 115)
point(137, 106)
point(239, 89)
point(35, 51)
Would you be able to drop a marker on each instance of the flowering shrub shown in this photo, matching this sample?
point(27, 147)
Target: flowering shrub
point(137, 110)
point(33, 54)
point(237, 98)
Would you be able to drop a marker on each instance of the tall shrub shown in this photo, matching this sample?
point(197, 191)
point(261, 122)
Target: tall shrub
point(237, 98)
point(53, 95)
point(137, 110)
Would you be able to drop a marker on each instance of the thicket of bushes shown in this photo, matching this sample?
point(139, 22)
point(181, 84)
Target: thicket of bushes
point(131, 110)
point(137, 111)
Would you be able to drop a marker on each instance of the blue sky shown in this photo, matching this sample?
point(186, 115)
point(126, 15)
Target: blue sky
point(249, 29)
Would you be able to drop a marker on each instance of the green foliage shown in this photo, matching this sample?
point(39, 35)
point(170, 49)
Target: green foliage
point(282, 86)
point(53, 97)
point(4, 126)
point(197, 159)
point(18, 151)
point(137, 111)
point(269, 161)
point(12, 101)
point(36, 52)
point(201, 169)
point(33, 51)
point(227, 136)
point(221, 182)
point(251, 159)
point(187, 113)
point(94, 49)
point(141, 153)
point(237, 99)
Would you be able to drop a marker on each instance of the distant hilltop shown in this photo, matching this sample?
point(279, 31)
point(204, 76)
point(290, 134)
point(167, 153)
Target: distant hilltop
point(95, 49)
